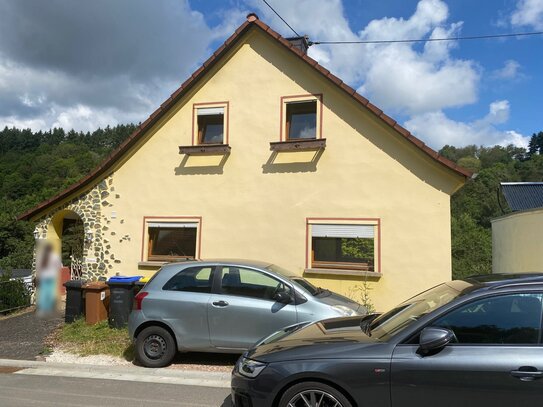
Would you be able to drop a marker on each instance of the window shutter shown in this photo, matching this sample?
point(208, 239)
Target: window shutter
point(345, 231)
point(208, 111)
point(172, 225)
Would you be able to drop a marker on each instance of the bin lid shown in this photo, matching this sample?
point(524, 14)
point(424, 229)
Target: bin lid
point(95, 285)
point(144, 279)
point(74, 283)
point(124, 279)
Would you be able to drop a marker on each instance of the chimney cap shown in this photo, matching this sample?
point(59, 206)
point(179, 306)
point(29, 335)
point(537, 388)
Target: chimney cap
point(252, 17)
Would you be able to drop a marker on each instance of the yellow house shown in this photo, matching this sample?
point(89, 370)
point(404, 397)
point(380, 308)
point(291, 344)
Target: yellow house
point(264, 154)
point(517, 238)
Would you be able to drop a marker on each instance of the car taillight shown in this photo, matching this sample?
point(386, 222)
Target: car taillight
point(139, 299)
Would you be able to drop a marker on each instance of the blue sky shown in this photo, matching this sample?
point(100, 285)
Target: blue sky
point(104, 63)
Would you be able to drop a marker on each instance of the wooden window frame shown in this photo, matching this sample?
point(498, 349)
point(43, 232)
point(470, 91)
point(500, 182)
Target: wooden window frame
point(146, 243)
point(355, 268)
point(283, 127)
point(196, 136)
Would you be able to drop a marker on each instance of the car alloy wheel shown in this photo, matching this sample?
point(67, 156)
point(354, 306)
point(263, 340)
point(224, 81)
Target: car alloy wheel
point(155, 347)
point(314, 398)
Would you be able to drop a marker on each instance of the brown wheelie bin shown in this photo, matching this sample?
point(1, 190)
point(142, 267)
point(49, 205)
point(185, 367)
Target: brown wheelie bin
point(96, 302)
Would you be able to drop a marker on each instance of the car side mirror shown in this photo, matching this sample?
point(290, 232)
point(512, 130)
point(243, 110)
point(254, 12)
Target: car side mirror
point(433, 338)
point(283, 297)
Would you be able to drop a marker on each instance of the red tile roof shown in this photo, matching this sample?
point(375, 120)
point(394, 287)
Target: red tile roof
point(252, 21)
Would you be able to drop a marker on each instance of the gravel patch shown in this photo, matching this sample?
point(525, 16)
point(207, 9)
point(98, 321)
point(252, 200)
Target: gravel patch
point(61, 356)
point(206, 362)
point(203, 362)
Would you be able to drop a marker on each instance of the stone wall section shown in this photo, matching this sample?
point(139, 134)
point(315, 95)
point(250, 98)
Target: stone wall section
point(91, 208)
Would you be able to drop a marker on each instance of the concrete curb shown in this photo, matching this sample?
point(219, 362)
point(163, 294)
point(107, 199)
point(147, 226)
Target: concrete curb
point(132, 373)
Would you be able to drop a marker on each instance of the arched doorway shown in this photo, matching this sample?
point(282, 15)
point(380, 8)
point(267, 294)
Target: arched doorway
point(67, 234)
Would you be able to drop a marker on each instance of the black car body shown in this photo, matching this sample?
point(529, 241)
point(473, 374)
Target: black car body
point(463, 343)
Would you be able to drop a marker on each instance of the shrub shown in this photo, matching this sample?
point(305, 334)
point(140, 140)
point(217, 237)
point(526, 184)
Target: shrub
point(14, 294)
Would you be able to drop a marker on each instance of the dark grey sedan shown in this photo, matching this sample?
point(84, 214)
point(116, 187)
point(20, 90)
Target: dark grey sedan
point(471, 342)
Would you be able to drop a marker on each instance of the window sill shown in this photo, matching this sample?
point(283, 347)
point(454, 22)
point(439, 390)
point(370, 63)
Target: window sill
point(298, 145)
point(151, 263)
point(340, 272)
point(205, 149)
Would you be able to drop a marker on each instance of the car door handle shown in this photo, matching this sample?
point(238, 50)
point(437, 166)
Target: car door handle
point(527, 373)
point(220, 304)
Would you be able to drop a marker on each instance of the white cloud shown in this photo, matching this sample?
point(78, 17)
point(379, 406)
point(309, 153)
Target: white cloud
point(528, 13)
point(401, 78)
point(53, 73)
point(510, 70)
point(437, 129)
point(56, 74)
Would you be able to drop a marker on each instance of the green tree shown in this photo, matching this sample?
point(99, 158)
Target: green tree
point(535, 145)
point(471, 247)
point(34, 166)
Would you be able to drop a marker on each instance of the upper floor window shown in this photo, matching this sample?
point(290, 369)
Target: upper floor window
point(301, 120)
point(210, 125)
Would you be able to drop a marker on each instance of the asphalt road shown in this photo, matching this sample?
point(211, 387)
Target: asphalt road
point(21, 390)
point(22, 336)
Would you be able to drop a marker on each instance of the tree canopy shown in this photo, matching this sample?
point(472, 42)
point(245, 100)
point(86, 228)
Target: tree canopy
point(35, 166)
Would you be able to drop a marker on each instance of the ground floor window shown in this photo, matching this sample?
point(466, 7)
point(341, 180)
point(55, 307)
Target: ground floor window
point(170, 241)
point(344, 246)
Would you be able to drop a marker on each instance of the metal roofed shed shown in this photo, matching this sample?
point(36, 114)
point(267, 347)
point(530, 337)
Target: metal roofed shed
point(521, 196)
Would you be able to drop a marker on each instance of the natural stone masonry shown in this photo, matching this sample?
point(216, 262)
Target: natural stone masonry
point(90, 207)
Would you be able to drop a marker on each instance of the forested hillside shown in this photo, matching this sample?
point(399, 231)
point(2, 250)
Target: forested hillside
point(478, 201)
point(36, 165)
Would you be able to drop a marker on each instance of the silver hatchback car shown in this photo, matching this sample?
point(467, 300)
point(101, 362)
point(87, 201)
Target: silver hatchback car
point(223, 306)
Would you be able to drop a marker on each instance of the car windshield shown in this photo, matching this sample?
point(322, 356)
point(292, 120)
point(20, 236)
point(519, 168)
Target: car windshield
point(297, 281)
point(400, 317)
point(306, 285)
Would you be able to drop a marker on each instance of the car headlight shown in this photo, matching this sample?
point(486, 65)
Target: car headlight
point(250, 368)
point(344, 311)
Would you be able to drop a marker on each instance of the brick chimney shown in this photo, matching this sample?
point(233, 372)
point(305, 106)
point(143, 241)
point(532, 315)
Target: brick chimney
point(301, 43)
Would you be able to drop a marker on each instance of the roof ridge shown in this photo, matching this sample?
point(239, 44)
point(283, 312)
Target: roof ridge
point(251, 20)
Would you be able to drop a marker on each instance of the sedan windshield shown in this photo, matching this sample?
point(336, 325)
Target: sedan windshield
point(400, 317)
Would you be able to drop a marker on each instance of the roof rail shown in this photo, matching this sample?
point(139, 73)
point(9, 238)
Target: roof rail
point(519, 284)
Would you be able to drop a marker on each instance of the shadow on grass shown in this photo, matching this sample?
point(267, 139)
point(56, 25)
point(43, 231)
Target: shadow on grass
point(129, 354)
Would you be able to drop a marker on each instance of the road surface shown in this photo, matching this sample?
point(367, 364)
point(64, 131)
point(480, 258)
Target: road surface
point(48, 391)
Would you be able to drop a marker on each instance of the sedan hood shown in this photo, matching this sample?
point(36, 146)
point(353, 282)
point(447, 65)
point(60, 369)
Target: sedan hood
point(331, 338)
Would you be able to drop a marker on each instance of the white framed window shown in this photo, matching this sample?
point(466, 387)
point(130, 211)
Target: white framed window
point(210, 123)
point(301, 117)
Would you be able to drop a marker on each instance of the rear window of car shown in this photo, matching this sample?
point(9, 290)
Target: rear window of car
point(193, 279)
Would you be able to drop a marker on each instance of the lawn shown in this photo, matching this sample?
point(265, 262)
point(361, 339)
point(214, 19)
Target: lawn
point(98, 339)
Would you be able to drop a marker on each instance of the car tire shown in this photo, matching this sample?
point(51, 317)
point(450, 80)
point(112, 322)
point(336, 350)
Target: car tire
point(293, 396)
point(155, 347)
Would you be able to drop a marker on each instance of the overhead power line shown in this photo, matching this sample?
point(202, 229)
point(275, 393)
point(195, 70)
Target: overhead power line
point(282, 19)
point(473, 37)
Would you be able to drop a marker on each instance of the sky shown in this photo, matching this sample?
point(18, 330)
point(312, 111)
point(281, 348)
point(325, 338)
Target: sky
point(89, 64)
